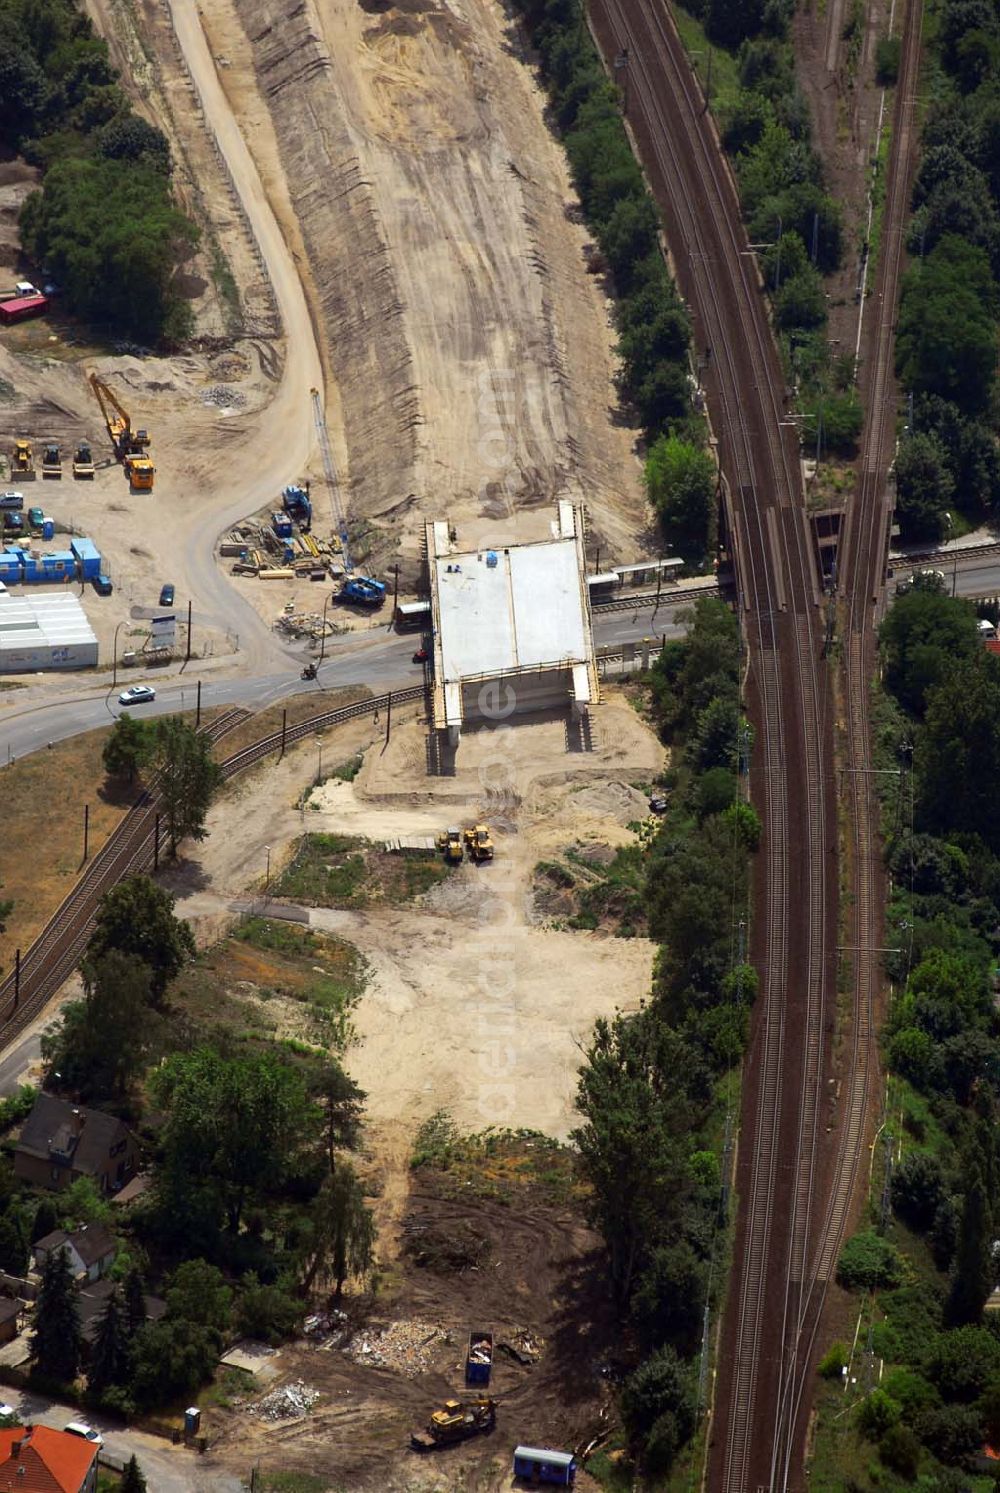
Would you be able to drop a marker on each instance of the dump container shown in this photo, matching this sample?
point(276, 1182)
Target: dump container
point(479, 1359)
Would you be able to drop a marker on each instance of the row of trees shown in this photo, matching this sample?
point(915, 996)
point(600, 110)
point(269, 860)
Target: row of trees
point(767, 130)
point(940, 1397)
point(946, 345)
point(104, 224)
point(181, 761)
point(654, 333)
point(649, 1082)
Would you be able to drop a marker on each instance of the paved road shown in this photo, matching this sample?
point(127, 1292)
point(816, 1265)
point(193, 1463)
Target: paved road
point(289, 415)
point(380, 659)
point(168, 1469)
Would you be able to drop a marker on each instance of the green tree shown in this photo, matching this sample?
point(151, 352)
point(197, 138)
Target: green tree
point(658, 1408)
point(45, 1221)
point(924, 487)
point(634, 1112)
point(55, 1342)
point(198, 1293)
point(133, 1301)
point(877, 1413)
point(343, 1240)
point(958, 757)
point(341, 1102)
point(110, 1358)
point(104, 1043)
point(924, 636)
point(973, 1274)
point(126, 749)
point(187, 777)
point(136, 918)
point(681, 483)
point(946, 341)
point(917, 1189)
point(669, 1297)
point(235, 1127)
point(171, 1360)
point(133, 1480)
point(13, 1240)
point(868, 1261)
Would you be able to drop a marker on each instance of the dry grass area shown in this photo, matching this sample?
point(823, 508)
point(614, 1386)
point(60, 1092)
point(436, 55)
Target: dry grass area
point(43, 800)
point(299, 708)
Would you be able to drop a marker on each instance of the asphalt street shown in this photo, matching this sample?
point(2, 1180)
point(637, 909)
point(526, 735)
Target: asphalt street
point(380, 659)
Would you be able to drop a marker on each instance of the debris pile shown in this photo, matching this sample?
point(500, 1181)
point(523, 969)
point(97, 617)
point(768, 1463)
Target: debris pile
point(223, 396)
point(287, 1403)
point(405, 1347)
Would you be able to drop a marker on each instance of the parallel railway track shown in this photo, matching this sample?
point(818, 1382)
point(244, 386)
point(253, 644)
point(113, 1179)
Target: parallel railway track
point(780, 606)
point(129, 850)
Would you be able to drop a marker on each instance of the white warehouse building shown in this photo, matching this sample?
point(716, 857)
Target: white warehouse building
point(512, 629)
point(44, 631)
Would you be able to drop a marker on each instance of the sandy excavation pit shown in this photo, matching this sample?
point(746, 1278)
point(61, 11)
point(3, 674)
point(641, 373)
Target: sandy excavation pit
point(470, 1006)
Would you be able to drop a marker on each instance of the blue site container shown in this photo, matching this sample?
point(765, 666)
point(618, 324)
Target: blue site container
point(88, 557)
point(59, 566)
point(48, 528)
point(539, 1465)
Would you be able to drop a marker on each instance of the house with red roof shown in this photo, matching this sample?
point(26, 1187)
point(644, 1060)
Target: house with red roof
point(37, 1459)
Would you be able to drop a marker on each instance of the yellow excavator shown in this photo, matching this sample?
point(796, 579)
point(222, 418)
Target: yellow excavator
point(130, 446)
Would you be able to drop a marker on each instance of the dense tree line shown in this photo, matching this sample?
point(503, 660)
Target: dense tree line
point(934, 1260)
point(649, 1089)
point(946, 344)
point(104, 223)
point(654, 333)
point(768, 132)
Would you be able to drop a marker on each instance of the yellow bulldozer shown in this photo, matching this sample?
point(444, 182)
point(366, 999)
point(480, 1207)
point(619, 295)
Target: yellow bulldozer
point(450, 845)
point(457, 1420)
point(478, 842)
point(23, 461)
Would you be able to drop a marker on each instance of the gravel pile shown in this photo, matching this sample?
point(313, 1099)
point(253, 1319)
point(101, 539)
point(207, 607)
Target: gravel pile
point(287, 1403)
point(403, 1346)
point(224, 397)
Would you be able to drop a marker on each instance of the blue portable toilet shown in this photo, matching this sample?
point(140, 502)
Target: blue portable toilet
point(536, 1465)
point(48, 528)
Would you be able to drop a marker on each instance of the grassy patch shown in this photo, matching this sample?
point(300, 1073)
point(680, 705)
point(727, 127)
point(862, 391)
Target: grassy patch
point(229, 1385)
point(584, 894)
point(725, 70)
point(291, 1482)
point(330, 870)
point(273, 979)
point(39, 876)
point(496, 1163)
point(347, 771)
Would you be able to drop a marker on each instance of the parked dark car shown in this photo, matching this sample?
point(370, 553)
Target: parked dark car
point(167, 595)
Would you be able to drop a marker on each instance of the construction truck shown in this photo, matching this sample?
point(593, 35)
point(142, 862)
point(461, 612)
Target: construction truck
point(363, 590)
point(23, 461)
point(450, 845)
point(478, 842)
point(140, 471)
point(51, 460)
point(296, 503)
point(83, 461)
point(130, 446)
point(457, 1420)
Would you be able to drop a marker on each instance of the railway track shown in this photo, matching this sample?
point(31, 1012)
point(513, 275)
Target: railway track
point(131, 849)
point(790, 774)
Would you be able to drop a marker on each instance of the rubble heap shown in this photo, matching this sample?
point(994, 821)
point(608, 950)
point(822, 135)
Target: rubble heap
point(406, 1347)
point(287, 1403)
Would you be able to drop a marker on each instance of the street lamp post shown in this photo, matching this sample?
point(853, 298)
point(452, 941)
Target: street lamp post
point(114, 667)
point(267, 870)
point(322, 641)
point(319, 765)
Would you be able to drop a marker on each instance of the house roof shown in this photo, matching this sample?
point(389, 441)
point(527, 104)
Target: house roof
point(52, 1461)
point(69, 1135)
point(8, 1308)
point(93, 1242)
